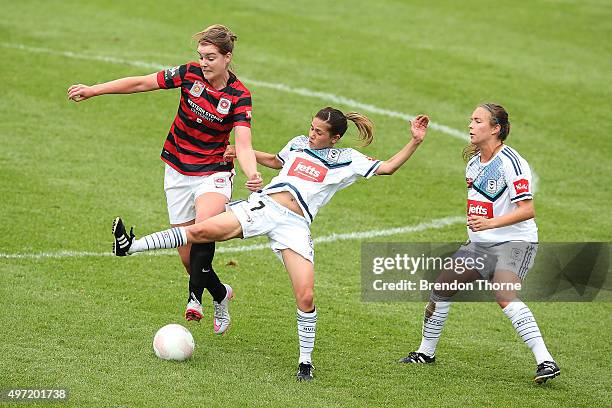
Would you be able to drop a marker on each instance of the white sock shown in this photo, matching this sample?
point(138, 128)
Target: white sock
point(307, 326)
point(525, 325)
point(433, 323)
point(170, 238)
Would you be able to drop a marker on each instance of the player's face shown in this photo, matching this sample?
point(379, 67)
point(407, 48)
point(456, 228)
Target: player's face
point(481, 130)
point(213, 63)
point(319, 136)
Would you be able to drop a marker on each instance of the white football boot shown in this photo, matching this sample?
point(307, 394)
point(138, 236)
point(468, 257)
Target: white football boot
point(194, 309)
point(221, 318)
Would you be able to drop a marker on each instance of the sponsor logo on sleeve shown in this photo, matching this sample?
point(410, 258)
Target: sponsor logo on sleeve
point(521, 186)
point(171, 72)
point(223, 106)
point(307, 170)
point(469, 181)
point(197, 88)
point(480, 208)
point(248, 114)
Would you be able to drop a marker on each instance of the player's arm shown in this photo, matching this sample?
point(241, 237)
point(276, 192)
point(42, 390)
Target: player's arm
point(268, 159)
point(246, 157)
point(418, 128)
point(263, 158)
point(525, 211)
point(126, 85)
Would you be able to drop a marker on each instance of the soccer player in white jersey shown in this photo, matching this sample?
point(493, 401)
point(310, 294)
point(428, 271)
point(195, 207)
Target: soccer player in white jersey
point(501, 227)
point(312, 171)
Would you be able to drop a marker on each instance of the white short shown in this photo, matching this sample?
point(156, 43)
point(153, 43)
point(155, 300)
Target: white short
point(182, 191)
point(261, 215)
point(514, 256)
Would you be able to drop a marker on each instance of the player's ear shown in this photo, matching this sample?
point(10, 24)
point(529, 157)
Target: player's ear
point(228, 57)
point(335, 138)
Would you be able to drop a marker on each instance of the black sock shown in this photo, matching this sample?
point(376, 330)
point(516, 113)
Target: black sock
point(202, 273)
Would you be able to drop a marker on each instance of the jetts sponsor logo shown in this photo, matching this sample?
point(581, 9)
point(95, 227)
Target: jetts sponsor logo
point(223, 106)
point(479, 208)
point(197, 88)
point(521, 186)
point(307, 170)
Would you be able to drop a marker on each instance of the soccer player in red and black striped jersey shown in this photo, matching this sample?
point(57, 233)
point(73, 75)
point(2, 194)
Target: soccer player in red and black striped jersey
point(198, 177)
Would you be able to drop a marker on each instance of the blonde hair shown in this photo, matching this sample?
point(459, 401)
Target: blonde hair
point(218, 35)
point(338, 123)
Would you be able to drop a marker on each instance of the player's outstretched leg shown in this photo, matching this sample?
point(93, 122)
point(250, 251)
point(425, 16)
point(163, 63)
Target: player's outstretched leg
point(128, 244)
point(123, 241)
point(221, 318)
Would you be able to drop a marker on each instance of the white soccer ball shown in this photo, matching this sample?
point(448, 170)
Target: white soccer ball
point(173, 342)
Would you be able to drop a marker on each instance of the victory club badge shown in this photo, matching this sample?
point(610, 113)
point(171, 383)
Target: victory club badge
point(223, 106)
point(197, 88)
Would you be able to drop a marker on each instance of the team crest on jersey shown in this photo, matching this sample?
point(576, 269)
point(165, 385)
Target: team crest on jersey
point(307, 170)
point(521, 186)
point(333, 155)
point(223, 106)
point(491, 186)
point(197, 88)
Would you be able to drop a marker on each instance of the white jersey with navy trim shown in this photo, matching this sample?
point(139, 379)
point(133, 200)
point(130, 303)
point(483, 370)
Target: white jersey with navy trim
point(313, 176)
point(494, 188)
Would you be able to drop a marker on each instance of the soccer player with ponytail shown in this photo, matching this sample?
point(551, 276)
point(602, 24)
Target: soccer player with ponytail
point(312, 170)
point(501, 229)
point(199, 177)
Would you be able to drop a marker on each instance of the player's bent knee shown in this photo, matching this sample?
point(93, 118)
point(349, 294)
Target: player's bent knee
point(305, 300)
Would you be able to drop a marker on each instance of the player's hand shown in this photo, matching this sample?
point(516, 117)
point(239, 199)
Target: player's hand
point(255, 183)
point(478, 223)
point(230, 153)
point(80, 92)
point(418, 127)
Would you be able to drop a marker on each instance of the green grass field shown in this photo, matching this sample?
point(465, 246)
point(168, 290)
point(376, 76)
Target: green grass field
point(73, 317)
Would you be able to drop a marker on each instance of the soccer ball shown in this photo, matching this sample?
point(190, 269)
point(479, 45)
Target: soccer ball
point(173, 342)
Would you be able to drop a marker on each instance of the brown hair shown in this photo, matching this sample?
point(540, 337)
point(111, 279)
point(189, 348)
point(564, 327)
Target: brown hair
point(499, 116)
point(338, 123)
point(219, 36)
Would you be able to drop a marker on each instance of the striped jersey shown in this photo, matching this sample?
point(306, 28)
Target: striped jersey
point(313, 176)
point(494, 188)
point(200, 132)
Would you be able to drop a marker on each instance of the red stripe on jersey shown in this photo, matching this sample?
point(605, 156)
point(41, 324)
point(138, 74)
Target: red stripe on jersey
point(186, 158)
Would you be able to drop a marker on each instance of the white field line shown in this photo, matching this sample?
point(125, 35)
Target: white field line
point(271, 85)
point(434, 224)
point(329, 97)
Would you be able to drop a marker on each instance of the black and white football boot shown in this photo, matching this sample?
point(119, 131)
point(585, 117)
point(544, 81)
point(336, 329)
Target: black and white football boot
point(419, 358)
point(123, 241)
point(546, 371)
point(305, 371)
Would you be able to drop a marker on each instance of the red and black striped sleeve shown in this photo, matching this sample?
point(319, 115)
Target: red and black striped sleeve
point(243, 110)
point(171, 77)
